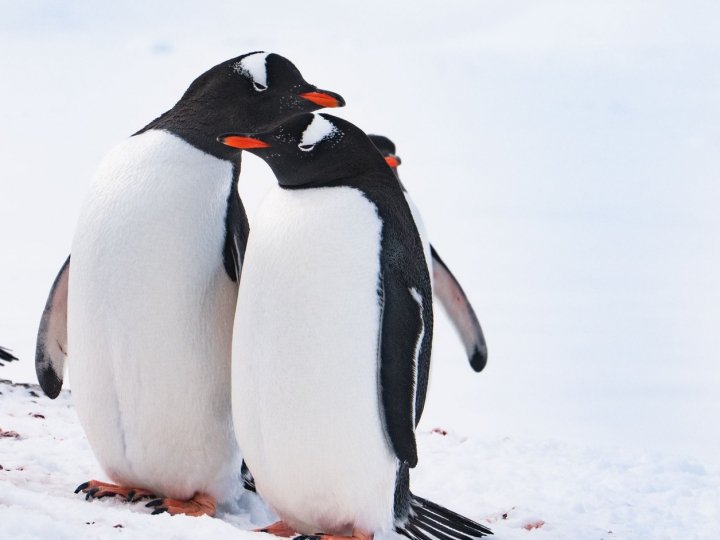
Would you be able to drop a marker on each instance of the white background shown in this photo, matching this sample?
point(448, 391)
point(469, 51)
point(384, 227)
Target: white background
point(565, 155)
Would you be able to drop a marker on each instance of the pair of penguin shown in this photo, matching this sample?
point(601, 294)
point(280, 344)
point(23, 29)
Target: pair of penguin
point(145, 310)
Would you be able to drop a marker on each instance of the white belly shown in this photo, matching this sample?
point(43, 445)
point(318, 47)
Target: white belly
point(305, 371)
point(150, 313)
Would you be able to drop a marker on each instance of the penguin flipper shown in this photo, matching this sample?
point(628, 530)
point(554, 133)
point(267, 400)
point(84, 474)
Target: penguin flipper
point(6, 356)
point(461, 313)
point(237, 228)
point(406, 335)
point(51, 345)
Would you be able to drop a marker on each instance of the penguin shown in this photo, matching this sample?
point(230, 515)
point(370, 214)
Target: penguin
point(6, 355)
point(335, 323)
point(144, 308)
point(446, 287)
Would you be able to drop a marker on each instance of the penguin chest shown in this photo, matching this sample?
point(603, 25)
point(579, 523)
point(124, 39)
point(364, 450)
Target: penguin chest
point(150, 312)
point(307, 361)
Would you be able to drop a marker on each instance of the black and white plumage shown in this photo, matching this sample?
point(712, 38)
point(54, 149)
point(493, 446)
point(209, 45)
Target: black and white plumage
point(144, 309)
point(446, 287)
point(334, 331)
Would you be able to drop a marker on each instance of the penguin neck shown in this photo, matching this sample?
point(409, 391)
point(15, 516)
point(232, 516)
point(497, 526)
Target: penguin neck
point(198, 130)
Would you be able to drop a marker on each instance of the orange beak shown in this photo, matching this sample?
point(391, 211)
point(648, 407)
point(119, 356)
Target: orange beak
point(238, 141)
point(324, 99)
point(393, 161)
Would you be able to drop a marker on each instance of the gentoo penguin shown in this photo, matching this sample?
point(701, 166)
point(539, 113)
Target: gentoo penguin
point(335, 327)
point(148, 299)
point(6, 355)
point(445, 287)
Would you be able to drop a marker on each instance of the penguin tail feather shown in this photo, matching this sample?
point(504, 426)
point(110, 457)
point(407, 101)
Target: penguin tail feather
point(248, 481)
point(427, 520)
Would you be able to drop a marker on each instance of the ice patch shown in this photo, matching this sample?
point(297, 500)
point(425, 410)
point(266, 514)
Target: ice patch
point(320, 128)
point(254, 66)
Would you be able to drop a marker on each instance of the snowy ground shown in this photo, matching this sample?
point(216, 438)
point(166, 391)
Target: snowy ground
point(522, 489)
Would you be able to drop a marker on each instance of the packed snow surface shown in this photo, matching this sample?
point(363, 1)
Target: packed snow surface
point(522, 489)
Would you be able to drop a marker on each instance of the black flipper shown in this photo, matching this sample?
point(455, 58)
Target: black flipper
point(6, 356)
point(400, 319)
point(51, 346)
point(406, 324)
point(236, 230)
point(426, 520)
point(461, 313)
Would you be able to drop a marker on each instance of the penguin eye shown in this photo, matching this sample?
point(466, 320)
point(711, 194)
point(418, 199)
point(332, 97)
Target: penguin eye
point(259, 87)
point(306, 147)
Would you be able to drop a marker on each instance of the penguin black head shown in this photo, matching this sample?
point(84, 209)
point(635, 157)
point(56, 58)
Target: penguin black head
point(312, 149)
point(249, 93)
point(387, 148)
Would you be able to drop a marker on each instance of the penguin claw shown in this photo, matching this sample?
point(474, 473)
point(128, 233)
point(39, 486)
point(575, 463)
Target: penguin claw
point(279, 528)
point(134, 496)
point(198, 505)
point(94, 489)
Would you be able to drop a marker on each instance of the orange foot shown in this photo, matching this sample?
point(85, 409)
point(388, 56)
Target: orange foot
point(279, 528)
point(199, 505)
point(356, 535)
point(94, 489)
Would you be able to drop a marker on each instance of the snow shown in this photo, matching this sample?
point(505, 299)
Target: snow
point(512, 485)
point(320, 128)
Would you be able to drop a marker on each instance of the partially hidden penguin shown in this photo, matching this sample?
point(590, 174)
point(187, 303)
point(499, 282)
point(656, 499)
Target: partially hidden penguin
point(445, 286)
point(335, 325)
point(144, 309)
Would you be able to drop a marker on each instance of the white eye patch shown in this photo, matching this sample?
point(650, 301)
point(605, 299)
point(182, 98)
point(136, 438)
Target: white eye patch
point(254, 66)
point(319, 129)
